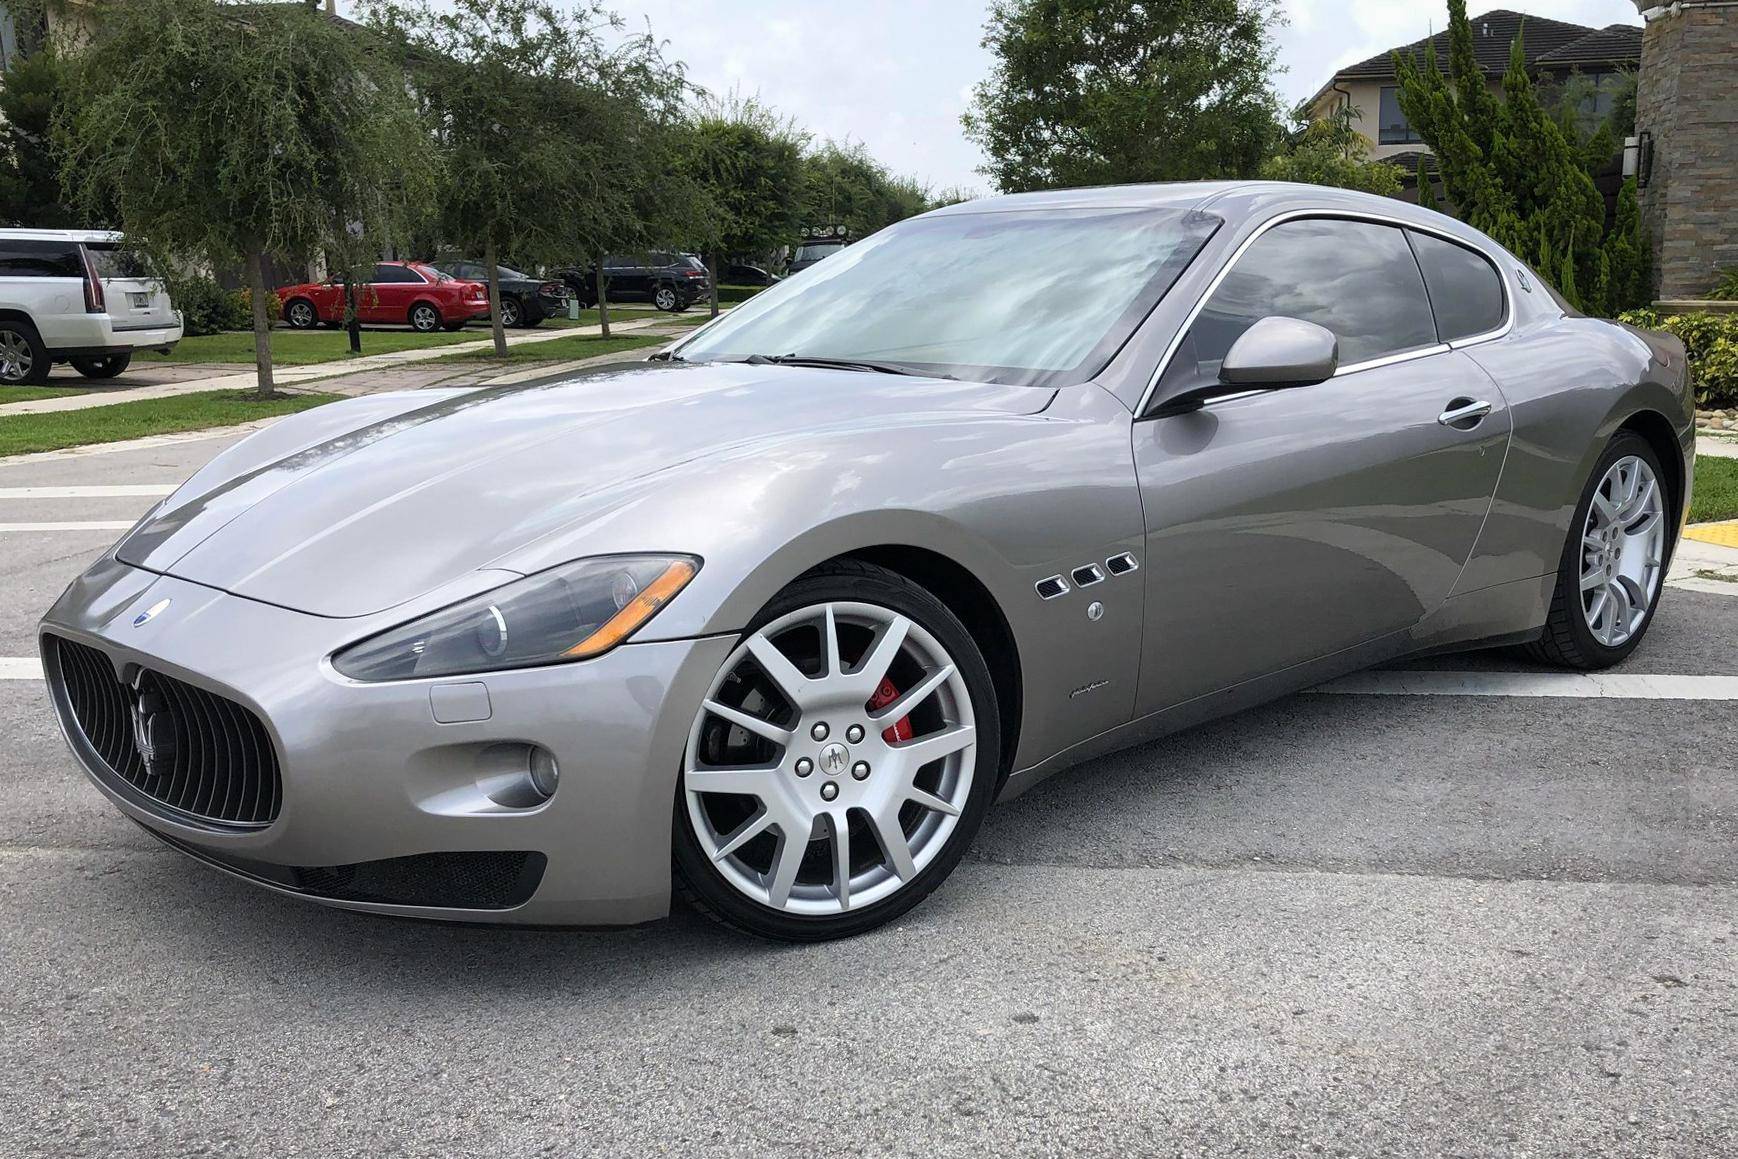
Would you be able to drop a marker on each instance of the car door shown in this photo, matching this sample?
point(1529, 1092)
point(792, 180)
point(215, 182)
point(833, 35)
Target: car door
point(391, 292)
point(1286, 525)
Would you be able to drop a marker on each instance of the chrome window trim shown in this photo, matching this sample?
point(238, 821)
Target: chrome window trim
point(1386, 360)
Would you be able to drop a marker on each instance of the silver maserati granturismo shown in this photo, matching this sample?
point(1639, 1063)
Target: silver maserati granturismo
point(770, 620)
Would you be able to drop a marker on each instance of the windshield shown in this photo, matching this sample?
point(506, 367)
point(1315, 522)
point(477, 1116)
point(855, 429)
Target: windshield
point(815, 251)
point(1024, 297)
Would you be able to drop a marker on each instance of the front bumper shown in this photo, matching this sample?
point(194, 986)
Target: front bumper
point(369, 775)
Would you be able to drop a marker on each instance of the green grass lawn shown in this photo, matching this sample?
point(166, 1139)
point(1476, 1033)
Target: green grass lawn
point(32, 393)
point(1716, 491)
point(567, 349)
point(304, 347)
point(20, 434)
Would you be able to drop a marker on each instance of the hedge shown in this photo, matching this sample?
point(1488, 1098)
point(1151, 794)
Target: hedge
point(1712, 343)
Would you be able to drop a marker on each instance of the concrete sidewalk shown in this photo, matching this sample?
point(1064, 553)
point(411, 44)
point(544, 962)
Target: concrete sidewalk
point(291, 377)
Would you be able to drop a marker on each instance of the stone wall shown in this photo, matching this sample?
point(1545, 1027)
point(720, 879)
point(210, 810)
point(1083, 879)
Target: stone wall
point(1687, 97)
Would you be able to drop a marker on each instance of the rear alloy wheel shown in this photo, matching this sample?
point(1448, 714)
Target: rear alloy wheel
point(511, 314)
point(1608, 582)
point(23, 358)
point(424, 318)
point(107, 366)
point(666, 298)
point(301, 315)
point(841, 761)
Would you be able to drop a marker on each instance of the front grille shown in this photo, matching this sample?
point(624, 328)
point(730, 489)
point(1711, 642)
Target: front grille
point(210, 758)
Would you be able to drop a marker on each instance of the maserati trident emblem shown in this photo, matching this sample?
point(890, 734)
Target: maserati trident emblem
point(153, 733)
point(150, 613)
point(834, 759)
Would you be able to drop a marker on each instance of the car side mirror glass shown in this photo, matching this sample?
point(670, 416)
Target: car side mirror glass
point(1276, 353)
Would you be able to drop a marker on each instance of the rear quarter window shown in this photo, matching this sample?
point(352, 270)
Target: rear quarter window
point(40, 259)
point(1466, 292)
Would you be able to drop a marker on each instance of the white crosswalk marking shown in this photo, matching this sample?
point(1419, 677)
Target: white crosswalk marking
point(1598, 685)
point(117, 491)
point(20, 668)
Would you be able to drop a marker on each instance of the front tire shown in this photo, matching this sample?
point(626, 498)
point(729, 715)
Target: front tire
point(1613, 565)
point(108, 366)
point(23, 357)
point(828, 788)
point(301, 315)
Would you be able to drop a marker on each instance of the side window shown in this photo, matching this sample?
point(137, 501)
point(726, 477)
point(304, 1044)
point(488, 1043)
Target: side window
point(1356, 278)
point(1465, 289)
point(39, 259)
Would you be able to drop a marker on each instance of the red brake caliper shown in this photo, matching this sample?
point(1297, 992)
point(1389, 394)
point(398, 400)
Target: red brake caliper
point(885, 695)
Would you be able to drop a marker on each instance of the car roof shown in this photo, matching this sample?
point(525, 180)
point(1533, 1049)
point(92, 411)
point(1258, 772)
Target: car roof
point(79, 235)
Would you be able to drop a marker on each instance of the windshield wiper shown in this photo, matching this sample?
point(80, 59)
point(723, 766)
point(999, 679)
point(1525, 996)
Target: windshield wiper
point(665, 356)
point(841, 364)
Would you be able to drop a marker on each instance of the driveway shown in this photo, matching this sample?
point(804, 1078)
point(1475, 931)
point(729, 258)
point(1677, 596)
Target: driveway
point(1354, 922)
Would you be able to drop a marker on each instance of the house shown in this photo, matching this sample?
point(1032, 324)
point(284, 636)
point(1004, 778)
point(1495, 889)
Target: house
point(1554, 49)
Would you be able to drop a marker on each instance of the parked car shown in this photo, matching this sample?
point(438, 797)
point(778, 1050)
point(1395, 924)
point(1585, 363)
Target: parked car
point(525, 300)
point(772, 620)
point(398, 293)
point(816, 248)
point(670, 281)
point(742, 275)
point(81, 297)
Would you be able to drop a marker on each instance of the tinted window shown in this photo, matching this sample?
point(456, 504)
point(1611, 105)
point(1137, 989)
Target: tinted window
point(1465, 290)
point(1395, 130)
point(1356, 278)
point(113, 261)
point(396, 274)
point(39, 259)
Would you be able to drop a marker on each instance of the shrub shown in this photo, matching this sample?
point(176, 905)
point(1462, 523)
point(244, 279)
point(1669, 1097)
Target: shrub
point(1711, 340)
point(1726, 289)
point(208, 308)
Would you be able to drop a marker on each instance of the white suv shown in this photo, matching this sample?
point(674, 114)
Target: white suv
point(77, 296)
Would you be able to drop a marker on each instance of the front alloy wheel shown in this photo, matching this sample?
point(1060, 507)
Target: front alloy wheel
point(19, 358)
point(841, 760)
point(301, 315)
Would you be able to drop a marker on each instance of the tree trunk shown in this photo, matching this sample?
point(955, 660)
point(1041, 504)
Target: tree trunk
point(352, 323)
point(500, 331)
point(603, 302)
point(262, 322)
point(714, 266)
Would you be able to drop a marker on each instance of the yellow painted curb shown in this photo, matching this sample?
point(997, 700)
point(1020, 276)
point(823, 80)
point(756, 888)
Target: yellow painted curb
point(1724, 533)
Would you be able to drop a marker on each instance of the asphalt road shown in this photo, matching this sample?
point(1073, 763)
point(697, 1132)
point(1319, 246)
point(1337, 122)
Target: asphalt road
point(1338, 925)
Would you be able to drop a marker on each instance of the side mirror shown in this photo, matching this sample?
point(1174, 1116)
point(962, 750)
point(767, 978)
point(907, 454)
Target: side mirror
point(1274, 354)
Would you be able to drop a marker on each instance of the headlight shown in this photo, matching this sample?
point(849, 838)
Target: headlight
point(572, 612)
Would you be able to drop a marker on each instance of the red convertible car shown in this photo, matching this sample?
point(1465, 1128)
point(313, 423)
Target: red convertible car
point(400, 292)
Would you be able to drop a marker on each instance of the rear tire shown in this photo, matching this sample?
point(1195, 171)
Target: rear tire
point(424, 318)
point(665, 298)
point(23, 357)
point(896, 848)
point(512, 313)
point(1570, 639)
point(108, 366)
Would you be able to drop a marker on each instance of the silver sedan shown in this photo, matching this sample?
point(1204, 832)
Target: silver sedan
point(771, 620)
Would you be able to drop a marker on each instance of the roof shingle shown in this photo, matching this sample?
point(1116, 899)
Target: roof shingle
point(1492, 33)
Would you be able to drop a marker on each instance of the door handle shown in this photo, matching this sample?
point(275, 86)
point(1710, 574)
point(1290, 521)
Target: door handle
point(1464, 413)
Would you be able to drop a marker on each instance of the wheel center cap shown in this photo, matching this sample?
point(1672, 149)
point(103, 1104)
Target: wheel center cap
point(834, 759)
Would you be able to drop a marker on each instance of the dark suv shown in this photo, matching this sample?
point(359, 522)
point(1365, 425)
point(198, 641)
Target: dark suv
point(670, 281)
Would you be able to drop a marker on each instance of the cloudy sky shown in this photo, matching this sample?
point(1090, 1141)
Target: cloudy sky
point(896, 74)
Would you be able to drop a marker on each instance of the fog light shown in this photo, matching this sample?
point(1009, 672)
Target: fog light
point(544, 773)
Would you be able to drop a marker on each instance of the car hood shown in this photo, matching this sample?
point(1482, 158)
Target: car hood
point(354, 522)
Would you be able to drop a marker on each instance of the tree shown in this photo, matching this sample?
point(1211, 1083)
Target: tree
point(30, 189)
point(1515, 170)
point(1091, 92)
point(1329, 151)
point(233, 132)
point(749, 163)
point(535, 118)
point(844, 185)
